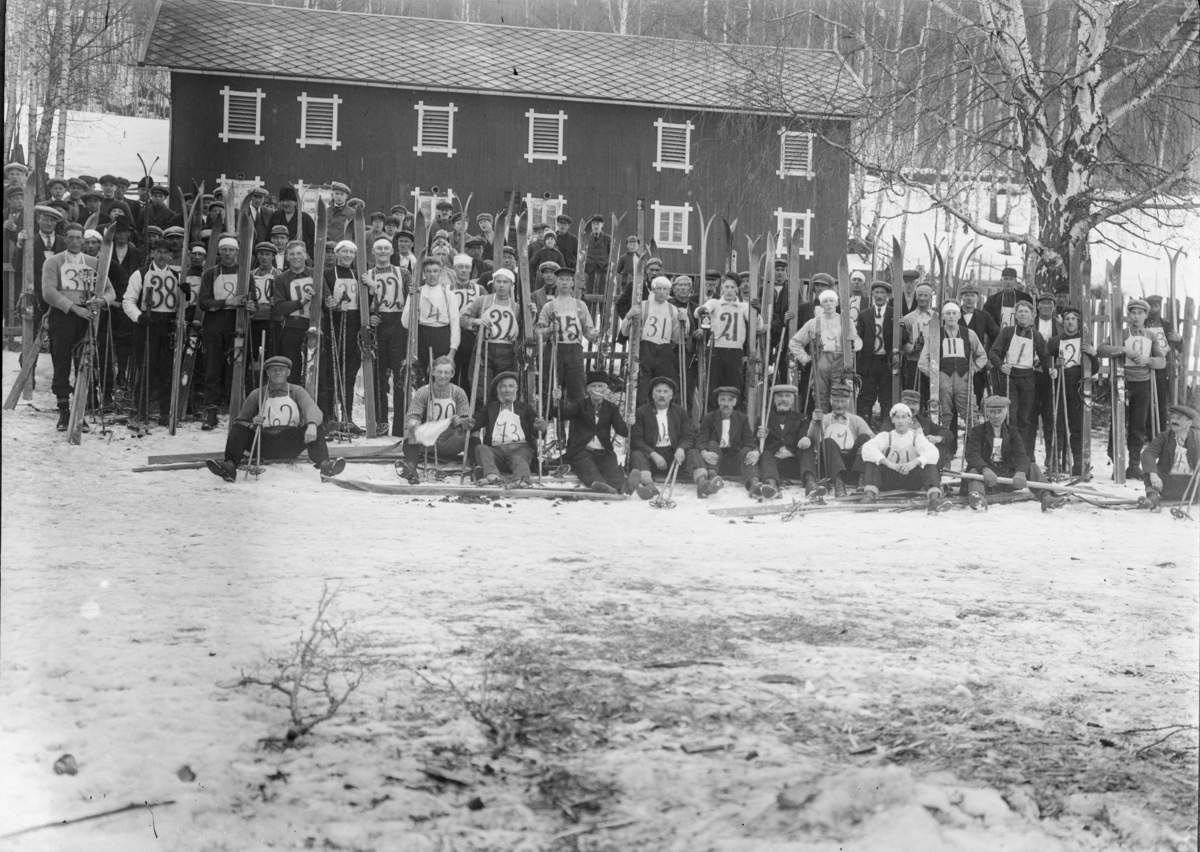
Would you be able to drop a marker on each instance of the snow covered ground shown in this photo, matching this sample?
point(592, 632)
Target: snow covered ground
point(580, 676)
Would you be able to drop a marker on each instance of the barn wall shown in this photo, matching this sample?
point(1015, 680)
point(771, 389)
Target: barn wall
point(610, 151)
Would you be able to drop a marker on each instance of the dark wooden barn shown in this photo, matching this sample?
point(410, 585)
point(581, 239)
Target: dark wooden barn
point(394, 106)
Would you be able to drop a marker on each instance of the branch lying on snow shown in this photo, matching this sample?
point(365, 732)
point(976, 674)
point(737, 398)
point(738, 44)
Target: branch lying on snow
point(133, 806)
point(326, 665)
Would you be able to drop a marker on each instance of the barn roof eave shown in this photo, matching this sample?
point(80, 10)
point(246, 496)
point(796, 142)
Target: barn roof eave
point(839, 115)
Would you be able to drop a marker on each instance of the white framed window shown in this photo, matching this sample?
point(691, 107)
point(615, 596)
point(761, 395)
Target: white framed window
point(674, 149)
point(785, 223)
point(546, 136)
point(318, 121)
point(795, 154)
point(435, 129)
point(243, 115)
point(544, 210)
point(671, 226)
point(426, 202)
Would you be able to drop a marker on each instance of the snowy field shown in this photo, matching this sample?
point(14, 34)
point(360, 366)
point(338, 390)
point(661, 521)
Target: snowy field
point(579, 676)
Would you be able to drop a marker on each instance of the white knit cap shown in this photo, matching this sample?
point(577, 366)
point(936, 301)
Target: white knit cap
point(382, 241)
point(465, 259)
point(345, 244)
point(227, 242)
point(92, 234)
point(505, 274)
point(829, 296)
point(900, 408)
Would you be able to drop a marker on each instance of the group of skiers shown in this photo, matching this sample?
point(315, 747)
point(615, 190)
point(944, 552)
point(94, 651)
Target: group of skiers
point(1016, 358)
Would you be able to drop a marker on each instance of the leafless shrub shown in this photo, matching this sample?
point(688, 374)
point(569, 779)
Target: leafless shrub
point(323, 668)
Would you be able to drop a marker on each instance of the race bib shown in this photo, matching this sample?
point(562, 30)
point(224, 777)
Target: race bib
point(433, 312)
point(504, 323)
point(442, 409)
point(345, 291)
point(854, 309)
point(1141, 345)
point(569, 330)
point(262, 289)
point(224, 286)
point(952, 347)
point(840, 434)
point(1068, 350)
point(389, 289)
point(160, 289)
point(194, 283)
point(507, 429)
point(301, 290)
point(1007, 316)
point(463, 298)
point(903, 453)
point(1020, 351)
point(831, 336)
point(280, 411)
point(79, 276)
point(656, 323)
point(727, 325)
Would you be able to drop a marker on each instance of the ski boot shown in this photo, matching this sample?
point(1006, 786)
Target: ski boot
point(977, 501)
point(715, 484)
point(223, 468)
point(64, 419)
point(754, 488)
point(353, 428)
point(770, 489)
point(937, 503)
point(839, 486)
point(647, 490)
point(331, 467)
point(871, 494)
point(407, 472)
point(702, 488)
point(1051, 501)
point(210, 419)
point(1154, 501)
point(1134, 471)
point(602, 487)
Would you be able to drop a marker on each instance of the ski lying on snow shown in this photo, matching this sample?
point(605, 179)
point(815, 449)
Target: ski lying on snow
point(474, 490)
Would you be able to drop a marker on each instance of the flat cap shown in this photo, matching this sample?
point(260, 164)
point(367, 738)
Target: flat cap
point(277, 361)
point(996, 401)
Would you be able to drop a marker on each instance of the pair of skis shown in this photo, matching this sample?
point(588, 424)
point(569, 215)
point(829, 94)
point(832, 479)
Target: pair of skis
point(30, 348)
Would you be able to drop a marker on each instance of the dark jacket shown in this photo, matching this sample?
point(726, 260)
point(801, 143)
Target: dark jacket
point(279, 217)
point(1012, 450)
point(644, 434)
point(161, 217)
point(568, 246)
point(588, 422)
point(598, 250)
point(485, 419)
point(985, 328)
point(784, 429)
point(997, 300)
point(544, 254)
point(40, 253)
point(866, 331)
point(1158, 456)
point(741, 436)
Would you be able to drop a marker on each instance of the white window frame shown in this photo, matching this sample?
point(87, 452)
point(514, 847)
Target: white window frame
point(305, 139)
point(659, 162)
point(544, 210)
point(425, 202)
point(561, 118)
point(422, 108)
point(684, 210)
point(227, 94)
point(782, 219)
point(807, 171)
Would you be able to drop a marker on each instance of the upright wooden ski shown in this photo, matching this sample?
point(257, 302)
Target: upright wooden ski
point(793, 304)
point(847, 337)
point(1081, 293)
point(316, 304)
point(609, 325)
point(237, 393)
point(752, 359)
point(700, 392)
point(528, 313)
point(179, 383)
point(1116, 338)
point(938, 269)
point(30, 348)
point(629, 403)
point(412, 355)
point(366, 334)
point(768, 301)
point(87, 357)
point(1174, 397)
point(897, 310)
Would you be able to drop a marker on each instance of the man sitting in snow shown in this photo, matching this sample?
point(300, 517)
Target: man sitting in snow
point(289, 420)
point(439, 417)
point(1170, 461)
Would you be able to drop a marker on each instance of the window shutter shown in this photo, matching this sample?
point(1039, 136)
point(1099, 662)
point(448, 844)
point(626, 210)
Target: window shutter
point(674, 146)
point(795, 154)
point(318, 121)
point(545, 136)
point(243, 115)
point(435, 129)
